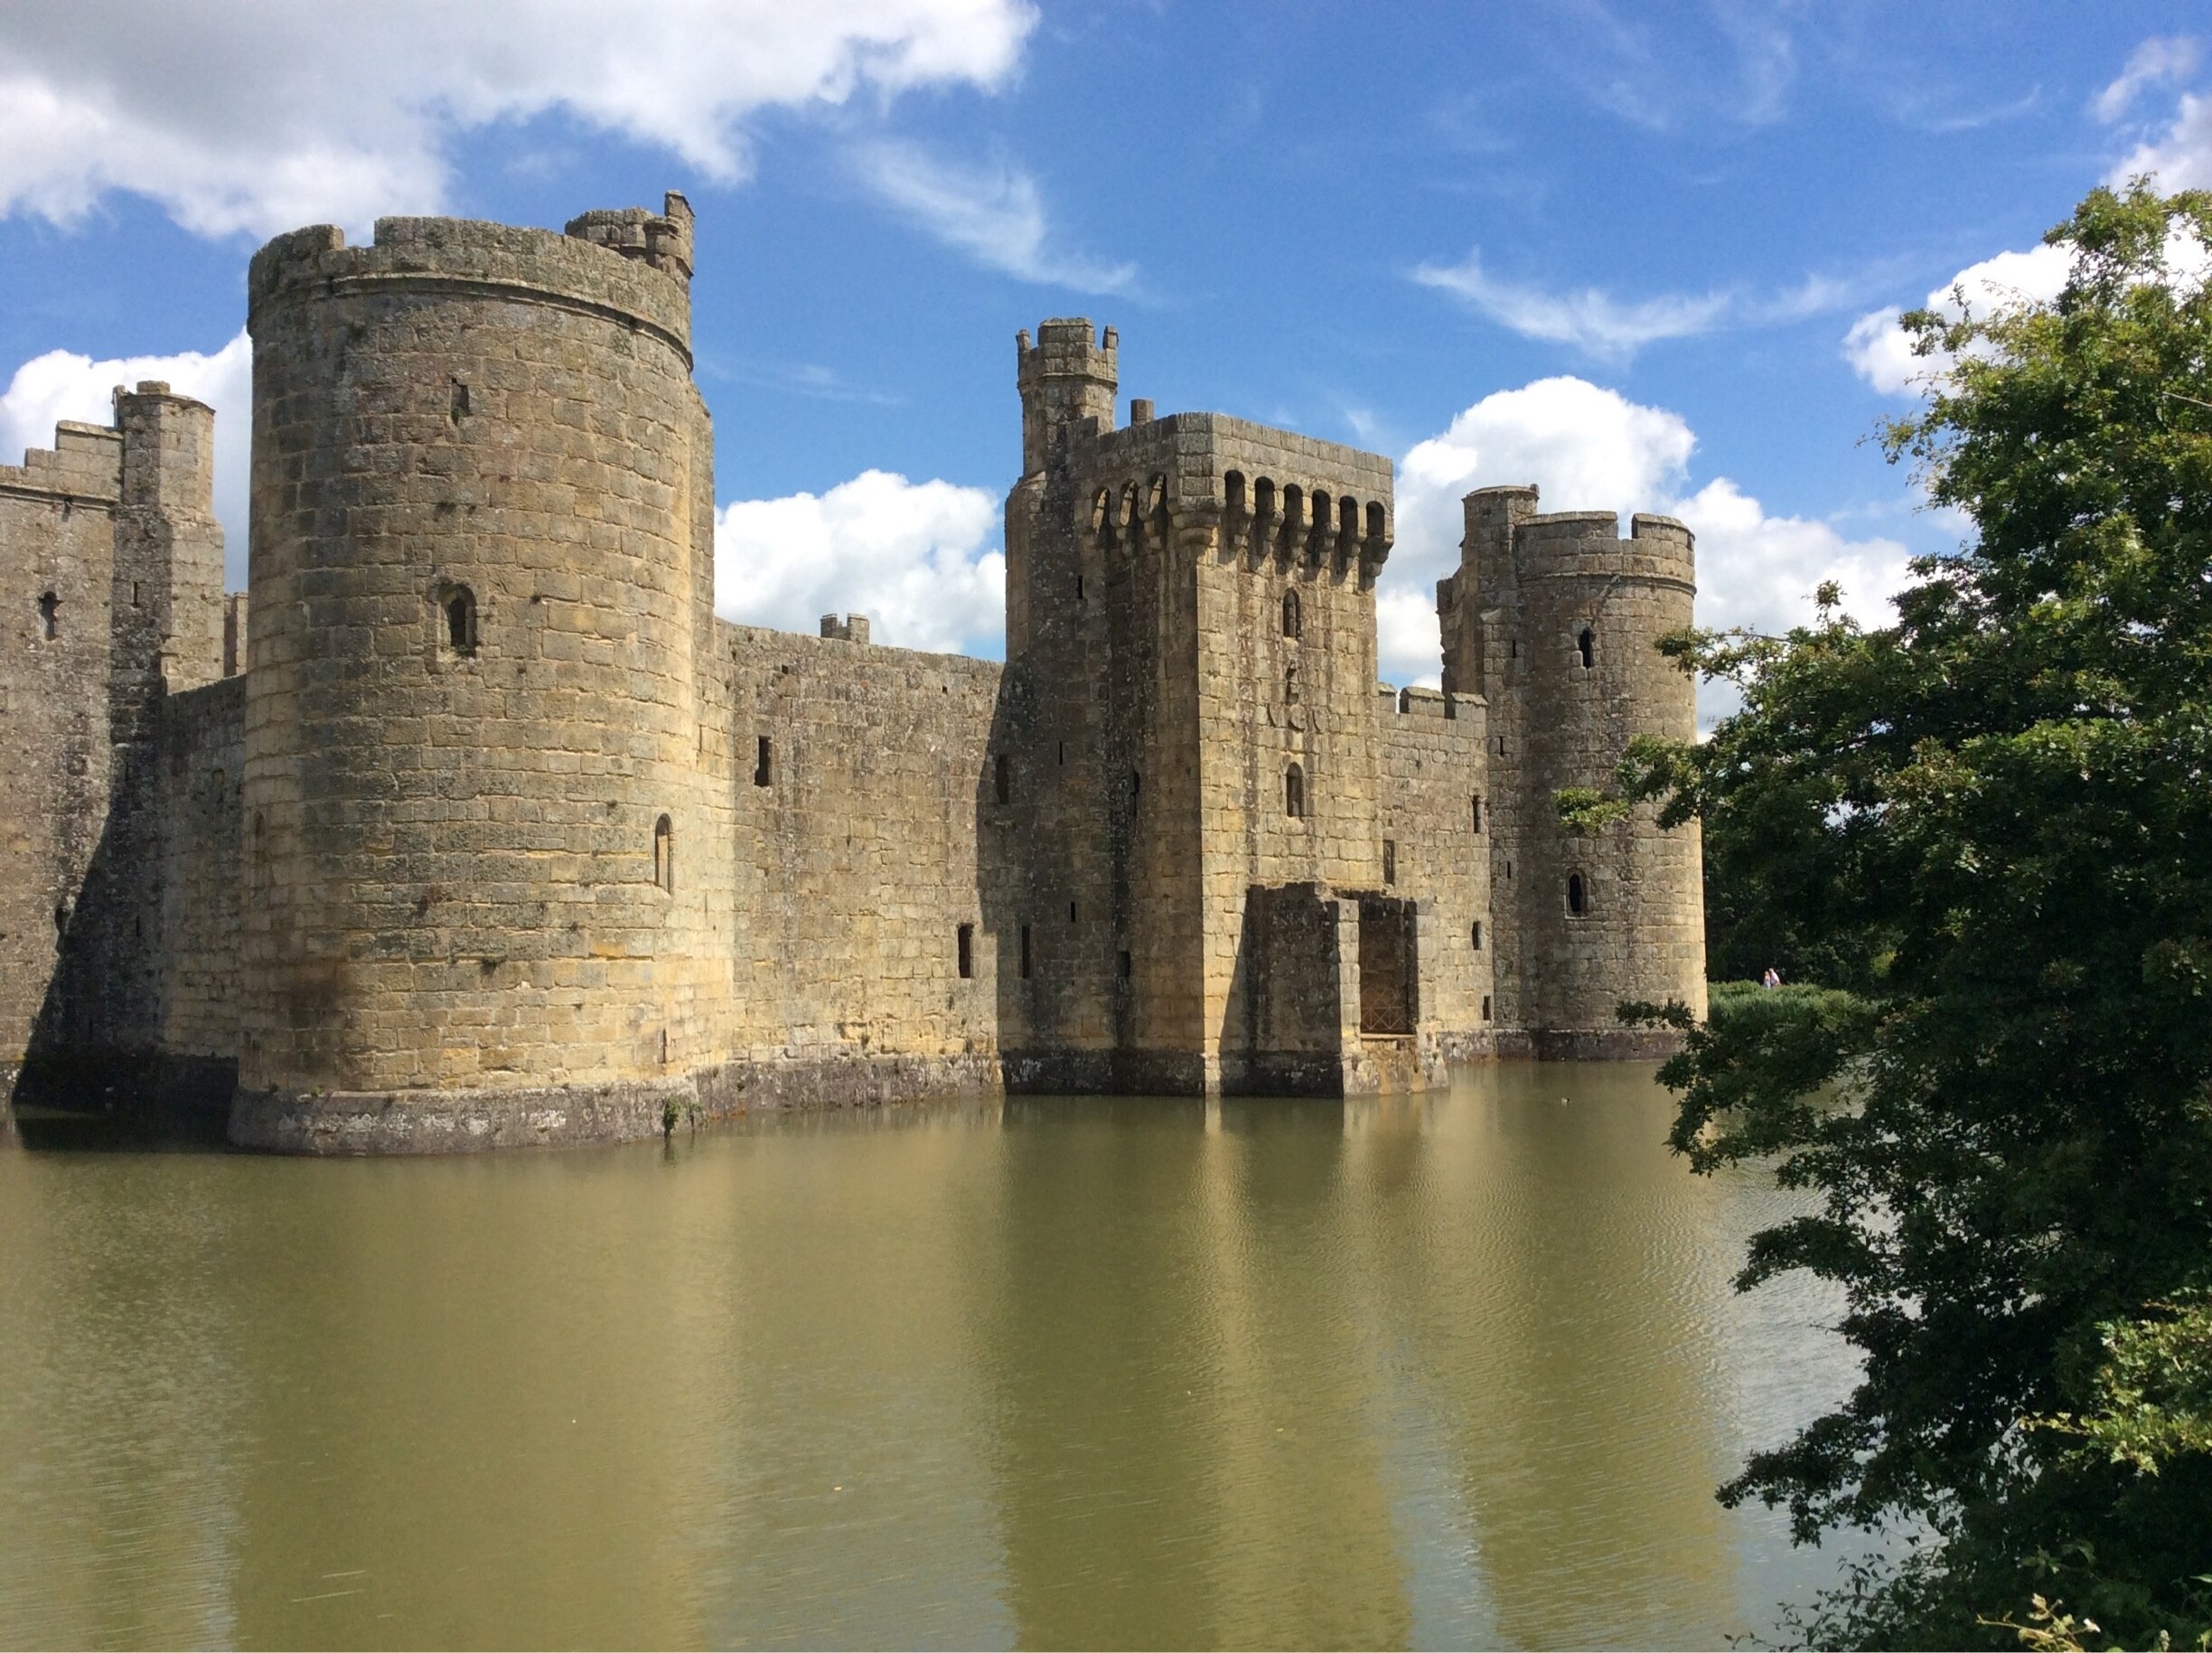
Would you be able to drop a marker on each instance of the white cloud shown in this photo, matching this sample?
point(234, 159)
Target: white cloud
point(1878, 350)
point(2159, 60)
point(63, 385)
point(1587, 448)
point(918, 559)
point(2182, 158)
point(243, 116)
point(993, 214)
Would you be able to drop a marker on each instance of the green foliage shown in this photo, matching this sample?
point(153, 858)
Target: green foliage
point(1584, 810)
point(1988, 829)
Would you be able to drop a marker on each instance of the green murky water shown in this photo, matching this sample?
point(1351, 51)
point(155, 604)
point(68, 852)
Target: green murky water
point(1429, 1370)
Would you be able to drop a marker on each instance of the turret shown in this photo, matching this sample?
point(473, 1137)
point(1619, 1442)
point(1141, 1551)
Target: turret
point(480, 846)
point(1063, 377)
point(1556, 619)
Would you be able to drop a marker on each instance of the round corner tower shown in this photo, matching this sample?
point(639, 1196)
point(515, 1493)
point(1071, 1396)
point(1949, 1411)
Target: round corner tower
point(476, 827)
point(1561, 635)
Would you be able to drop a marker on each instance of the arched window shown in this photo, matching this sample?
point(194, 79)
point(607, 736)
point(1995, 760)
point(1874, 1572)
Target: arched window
point(1294, 622)
point(1294, 793)
point(458, 605)
point(664, 854)
point(1578, 898)
point(49, 611)
point(1588, 646)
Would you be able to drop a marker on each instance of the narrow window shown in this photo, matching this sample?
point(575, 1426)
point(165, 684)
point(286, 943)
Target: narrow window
point(460, 606)
point(1064, 754)
point(1390, 860)
point(1071, 912)
point(967, 951)
point(1124, 965)
point(1478, 801)
point(1509, 872)
point(1079, 596)
point(1002, 778)
point(1516, 648)
point(50, 610)
point(1478, 935)
point(1290, 684)
point(1486, 1006)
point(1574, 894)
point(1588, 646)
point(1025, 952)
point(1136, 782)
point(460, 401)
point(664, 854)
point(764, 764)
point(1294, 624)
point(135, 603)
point(1294, 793)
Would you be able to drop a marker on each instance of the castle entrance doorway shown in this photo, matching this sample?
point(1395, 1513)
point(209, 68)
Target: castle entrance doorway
point(1389, 977)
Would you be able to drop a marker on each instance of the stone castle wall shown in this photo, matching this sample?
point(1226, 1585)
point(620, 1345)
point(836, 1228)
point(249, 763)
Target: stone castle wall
point(57, 562)
point(201, 774)
point(866, 832)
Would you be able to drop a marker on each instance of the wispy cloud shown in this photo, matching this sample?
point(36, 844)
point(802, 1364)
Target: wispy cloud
point(1612, 329)
point(807, 379)
point(2160, 61)
point(1590, 319)
point(994, 213)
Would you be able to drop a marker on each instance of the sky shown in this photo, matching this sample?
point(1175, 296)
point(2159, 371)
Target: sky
point(1647, 257)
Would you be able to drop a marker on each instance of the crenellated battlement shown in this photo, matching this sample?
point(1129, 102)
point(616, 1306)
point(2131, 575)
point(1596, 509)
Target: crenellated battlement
point(85, 463)
point(646, 281)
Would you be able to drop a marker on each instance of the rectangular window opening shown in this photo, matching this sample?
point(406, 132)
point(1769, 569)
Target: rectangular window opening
point(1478, 936)
point(1025, 952)
point(967, 951)
point(1486, 1006)
point(1478, 814)
point(1002, 778)
point(1390, 860)
point(1126, 964)
point(763, 765)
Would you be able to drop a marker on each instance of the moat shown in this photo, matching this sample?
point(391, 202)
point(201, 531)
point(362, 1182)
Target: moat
point(1448, 1368)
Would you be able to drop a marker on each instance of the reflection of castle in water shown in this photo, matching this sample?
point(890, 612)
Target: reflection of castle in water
point(1435, 1369)
point(471, 824)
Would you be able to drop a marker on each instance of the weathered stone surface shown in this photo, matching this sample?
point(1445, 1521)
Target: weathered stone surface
point(472, 826)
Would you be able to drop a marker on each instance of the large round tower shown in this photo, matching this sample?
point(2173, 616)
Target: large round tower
point(477, 827)
point(1561, 621)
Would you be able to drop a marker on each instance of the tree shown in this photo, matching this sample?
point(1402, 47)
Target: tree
point(1991, 826)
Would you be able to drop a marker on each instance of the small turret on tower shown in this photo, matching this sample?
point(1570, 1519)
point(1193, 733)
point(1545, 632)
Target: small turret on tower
point(1063, 377)
point(663, 240)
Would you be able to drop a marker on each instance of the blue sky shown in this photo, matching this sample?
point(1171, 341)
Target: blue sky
point(1635, 253)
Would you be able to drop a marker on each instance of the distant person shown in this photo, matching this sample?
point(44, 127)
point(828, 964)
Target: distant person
point(1772, 978)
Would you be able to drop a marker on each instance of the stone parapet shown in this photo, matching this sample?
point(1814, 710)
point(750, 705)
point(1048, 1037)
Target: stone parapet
point(469, 256)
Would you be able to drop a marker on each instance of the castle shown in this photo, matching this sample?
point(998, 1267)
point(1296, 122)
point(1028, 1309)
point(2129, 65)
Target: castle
point(471, 824)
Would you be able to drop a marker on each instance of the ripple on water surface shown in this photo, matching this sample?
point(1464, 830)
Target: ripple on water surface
point(1437, 1369)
